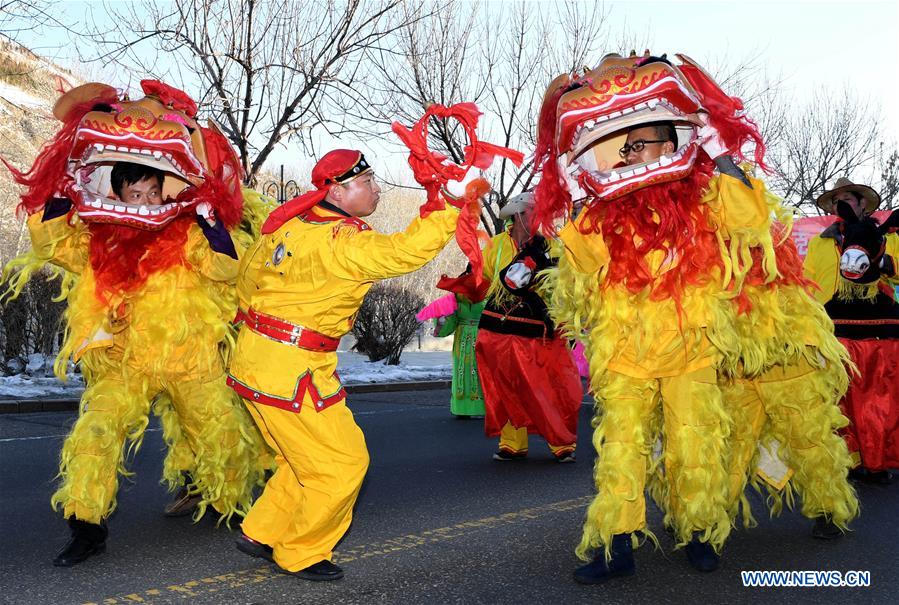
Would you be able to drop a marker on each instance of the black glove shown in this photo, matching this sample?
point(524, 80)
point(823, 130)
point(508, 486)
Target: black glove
point(55, 208)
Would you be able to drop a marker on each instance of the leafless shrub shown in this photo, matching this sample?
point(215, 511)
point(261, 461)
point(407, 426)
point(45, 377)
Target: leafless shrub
point(386, 323)
point(31, 323)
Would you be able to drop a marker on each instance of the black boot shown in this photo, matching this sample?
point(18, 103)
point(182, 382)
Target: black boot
point(185, 502)
point(701, 555)
point(621, 564)
point(825, 529)
point(87, 539)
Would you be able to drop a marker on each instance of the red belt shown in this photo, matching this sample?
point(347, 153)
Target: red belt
point(286, 332)
point(295, 404)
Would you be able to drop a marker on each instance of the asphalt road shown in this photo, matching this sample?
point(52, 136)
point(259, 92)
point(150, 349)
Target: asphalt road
point(438, 521)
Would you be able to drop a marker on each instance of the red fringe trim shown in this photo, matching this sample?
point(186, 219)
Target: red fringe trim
point(124, 257)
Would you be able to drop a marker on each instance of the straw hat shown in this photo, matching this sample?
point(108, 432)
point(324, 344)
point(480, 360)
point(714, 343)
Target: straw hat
point(871, 197)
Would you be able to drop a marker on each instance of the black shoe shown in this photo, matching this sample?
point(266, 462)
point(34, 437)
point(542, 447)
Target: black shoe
point(880, 477)
point(184, 503)
point(88, 539)
point(620, 565)
point(565, 456)
point(824, 529)
point(504, 455)
point(249, 546)
point(701, 555)
point(858, 473)
point(323, 571)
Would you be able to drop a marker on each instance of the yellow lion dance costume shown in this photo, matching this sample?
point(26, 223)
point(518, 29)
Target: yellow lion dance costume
point(150, 291)
point(699, 333)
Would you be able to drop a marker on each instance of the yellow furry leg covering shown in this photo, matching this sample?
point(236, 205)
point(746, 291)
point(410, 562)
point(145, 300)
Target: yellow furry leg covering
point(112, 412)
point(623, 439)
point(228, 456)
point(744, 405)
point(801, 404)
point(696, 431)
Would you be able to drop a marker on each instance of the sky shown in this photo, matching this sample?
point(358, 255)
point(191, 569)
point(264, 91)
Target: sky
point(817, 47)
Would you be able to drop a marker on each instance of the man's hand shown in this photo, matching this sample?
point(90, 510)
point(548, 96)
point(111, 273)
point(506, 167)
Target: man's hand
point(710, 139)
point(520, 274)
point(205, 211)
point(457, 188)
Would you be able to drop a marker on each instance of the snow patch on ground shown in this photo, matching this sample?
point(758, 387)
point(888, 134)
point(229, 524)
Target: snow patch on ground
point(353, 368)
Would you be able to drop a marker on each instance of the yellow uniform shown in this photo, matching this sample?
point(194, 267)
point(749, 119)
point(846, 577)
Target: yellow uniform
point(162, 339)
point(309, 278)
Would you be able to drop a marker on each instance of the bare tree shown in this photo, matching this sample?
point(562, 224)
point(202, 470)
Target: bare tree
point(500, 56)
point(888, 168)
point(829, 137)
point(268, 70)
point(18, 17)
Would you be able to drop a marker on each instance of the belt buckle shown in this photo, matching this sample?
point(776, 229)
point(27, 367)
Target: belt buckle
point(295, 334)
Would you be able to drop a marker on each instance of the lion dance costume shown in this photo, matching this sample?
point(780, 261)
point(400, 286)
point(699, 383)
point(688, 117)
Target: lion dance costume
point(663, 271)
point(150, 292)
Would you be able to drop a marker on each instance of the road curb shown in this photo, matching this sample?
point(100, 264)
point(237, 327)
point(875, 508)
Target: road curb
point(70, 404)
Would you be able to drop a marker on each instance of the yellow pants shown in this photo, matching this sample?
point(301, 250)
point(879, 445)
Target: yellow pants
point(693, 479)
point(225, 463)
point(307, 505)
point(801, 410)
point(515, 440)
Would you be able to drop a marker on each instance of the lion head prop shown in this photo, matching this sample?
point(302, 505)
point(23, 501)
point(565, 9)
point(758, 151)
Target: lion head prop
point(585, 118)
point(102, 127)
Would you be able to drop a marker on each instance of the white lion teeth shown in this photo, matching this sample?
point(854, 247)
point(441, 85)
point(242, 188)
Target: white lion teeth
point(120, 209)
point(157, 154)
point(652, 104)
point(146, 152)
point(98, 146)
point(615, 176)
point(143, 211)
point(664, 160)
point(653, 166)
point(131, 210)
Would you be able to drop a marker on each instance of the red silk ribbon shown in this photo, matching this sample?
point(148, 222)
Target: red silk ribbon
point(433, 170)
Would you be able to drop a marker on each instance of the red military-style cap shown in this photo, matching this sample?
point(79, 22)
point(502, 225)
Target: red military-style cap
point(334, 168)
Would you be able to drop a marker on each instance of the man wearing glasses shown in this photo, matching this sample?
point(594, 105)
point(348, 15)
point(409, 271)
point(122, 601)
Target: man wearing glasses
point(300, 287)
point(647, 143)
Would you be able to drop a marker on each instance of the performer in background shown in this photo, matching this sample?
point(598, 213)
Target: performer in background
point(530, 382)
point(466, 399)
point(854, 264)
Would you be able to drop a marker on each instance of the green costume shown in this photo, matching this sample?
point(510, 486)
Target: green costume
point(467, 398)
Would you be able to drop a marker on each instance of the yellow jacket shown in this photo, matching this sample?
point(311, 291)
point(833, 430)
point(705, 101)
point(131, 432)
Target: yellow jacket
point(169, 327)
point(314, 272)
point(646, 338)
point(822, 265)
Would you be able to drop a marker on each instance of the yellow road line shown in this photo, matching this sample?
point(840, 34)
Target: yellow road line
point(257, 575)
